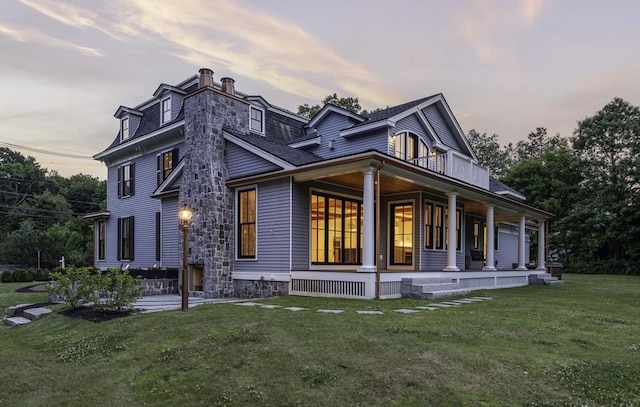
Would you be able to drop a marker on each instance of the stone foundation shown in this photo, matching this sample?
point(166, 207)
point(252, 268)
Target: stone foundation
point(260, 288)
point(159, 286)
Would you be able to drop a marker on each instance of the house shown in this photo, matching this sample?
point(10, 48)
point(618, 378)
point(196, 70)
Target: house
point(336, 205)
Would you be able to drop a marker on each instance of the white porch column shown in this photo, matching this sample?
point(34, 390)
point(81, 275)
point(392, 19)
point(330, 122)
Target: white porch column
point(490, 266)
point(541, 244)
point(451, 225)
point(368, 246)
point(521, 245)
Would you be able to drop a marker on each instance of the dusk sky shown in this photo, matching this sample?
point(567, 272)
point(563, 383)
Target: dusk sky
point(505, 67)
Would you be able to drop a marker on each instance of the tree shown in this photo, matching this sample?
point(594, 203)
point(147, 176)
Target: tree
point(349, 103)
point(551, 182)
point(489, 153)
point(538, 142)
point(609, 145)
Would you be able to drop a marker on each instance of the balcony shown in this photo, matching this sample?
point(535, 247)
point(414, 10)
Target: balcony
point(456, 165)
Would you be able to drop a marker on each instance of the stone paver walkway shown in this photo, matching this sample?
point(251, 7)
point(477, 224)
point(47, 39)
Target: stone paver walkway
point(413, 310)
point(155, 303)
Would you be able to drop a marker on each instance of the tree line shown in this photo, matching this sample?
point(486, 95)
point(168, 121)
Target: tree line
point(590, 181)
point(41, 213)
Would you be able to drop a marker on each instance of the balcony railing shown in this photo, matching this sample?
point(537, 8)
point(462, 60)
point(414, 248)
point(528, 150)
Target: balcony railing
point(456, 165)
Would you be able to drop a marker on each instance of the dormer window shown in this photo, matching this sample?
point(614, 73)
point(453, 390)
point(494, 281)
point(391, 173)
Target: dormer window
point(165, 115)
point(408, 146)
point(256, 122)
point(124, 129)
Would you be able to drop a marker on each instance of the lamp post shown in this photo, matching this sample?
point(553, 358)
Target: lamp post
point(185, 215)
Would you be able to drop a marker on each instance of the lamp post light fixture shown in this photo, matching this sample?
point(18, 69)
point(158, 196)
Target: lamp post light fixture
point(185, 215)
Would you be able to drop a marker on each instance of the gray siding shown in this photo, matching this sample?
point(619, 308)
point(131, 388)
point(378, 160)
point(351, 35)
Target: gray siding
point(170, 233)
point(329, 129)
point(441, 127)
point(300, 232)
point(273, 230)
point(412, 123)
point(242, 163)
point(436, 259)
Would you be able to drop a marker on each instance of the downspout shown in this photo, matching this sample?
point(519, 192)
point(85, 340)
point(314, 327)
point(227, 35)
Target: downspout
point(378, 257)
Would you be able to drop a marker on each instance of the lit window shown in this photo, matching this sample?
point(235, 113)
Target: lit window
point(336, 230)
point(476, 235)
point(257, 120)
point(166, 163)
point(166, 110)
point(247, 223)
point(439, 220)
point(409, 147)
point(428, 226)
point(124, 129)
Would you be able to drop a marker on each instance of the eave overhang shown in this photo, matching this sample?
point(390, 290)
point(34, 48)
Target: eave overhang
point(397, 169)
point(97, 215)
point(367, 127)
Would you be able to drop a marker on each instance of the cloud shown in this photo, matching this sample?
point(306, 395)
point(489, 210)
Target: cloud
point(475, 25)
point(36, 37)
point(253, 44)
point(531, 9)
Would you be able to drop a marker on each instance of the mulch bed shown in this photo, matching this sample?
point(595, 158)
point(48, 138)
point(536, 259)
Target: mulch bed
point(36, 288)
point(94, 315)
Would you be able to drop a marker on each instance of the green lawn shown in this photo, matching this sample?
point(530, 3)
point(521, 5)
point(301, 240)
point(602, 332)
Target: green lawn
point(572, 345)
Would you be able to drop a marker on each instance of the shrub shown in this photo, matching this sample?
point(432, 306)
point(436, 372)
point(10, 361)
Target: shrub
point(118, 290)
point(41, 275)
point(74, 286)
point(22, 275)
point(7, 276)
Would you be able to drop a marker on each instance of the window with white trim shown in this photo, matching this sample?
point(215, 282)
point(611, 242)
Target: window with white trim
point(247, 223)
point(436, 227)
point(256, 121)
point(165, 116)
point(410, 147)
point(124, 129)
point(166, 162)
point(125, 180)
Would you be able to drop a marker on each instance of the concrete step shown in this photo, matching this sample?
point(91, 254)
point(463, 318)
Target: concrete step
point(426, 280)
point(16, 309)
point(446, 293)
point(553, 282)
point(423, 288)
point(35, 313)
point(14, 321)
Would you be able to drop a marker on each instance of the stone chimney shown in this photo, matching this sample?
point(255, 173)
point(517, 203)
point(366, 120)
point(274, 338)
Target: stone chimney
point(206, 78)
point(227, 86)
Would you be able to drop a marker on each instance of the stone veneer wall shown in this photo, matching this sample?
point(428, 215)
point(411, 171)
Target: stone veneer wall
point(159, 286)
point(211, 232)
point(260, 289)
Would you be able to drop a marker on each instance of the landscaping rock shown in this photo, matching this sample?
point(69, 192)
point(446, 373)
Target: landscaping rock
point(35, 313)
point(14, 321)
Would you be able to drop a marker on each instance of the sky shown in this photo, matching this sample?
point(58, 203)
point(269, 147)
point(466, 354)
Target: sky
point(505, 67)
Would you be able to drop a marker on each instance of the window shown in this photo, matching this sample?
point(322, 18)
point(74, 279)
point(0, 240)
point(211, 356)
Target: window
point(439, 220)
point(476, 234)
point(166, 110)
point(428, 226)
point(495, 238)
point(247, 224)
point(102, 235)
point(408, 146)
point(124, 129)
point(158, 235)
point(166, 162)
point(402, 234)
point(446, 228)
point(256, 122)
point(125, 180)
point(336, 230)
point(125, 238)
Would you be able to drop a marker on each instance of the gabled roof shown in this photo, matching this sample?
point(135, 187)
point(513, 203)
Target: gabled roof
point(123, 109)
point(394, 110)
point(290, 155)
point(503, 189)
point(168, 88)
point(328, 108)
point(166, 187)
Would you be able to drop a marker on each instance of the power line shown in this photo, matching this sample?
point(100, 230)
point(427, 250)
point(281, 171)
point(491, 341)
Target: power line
point(43, 151)
point(34, 215)
point(57, 148)
point(33, 196)
point(26, 208)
